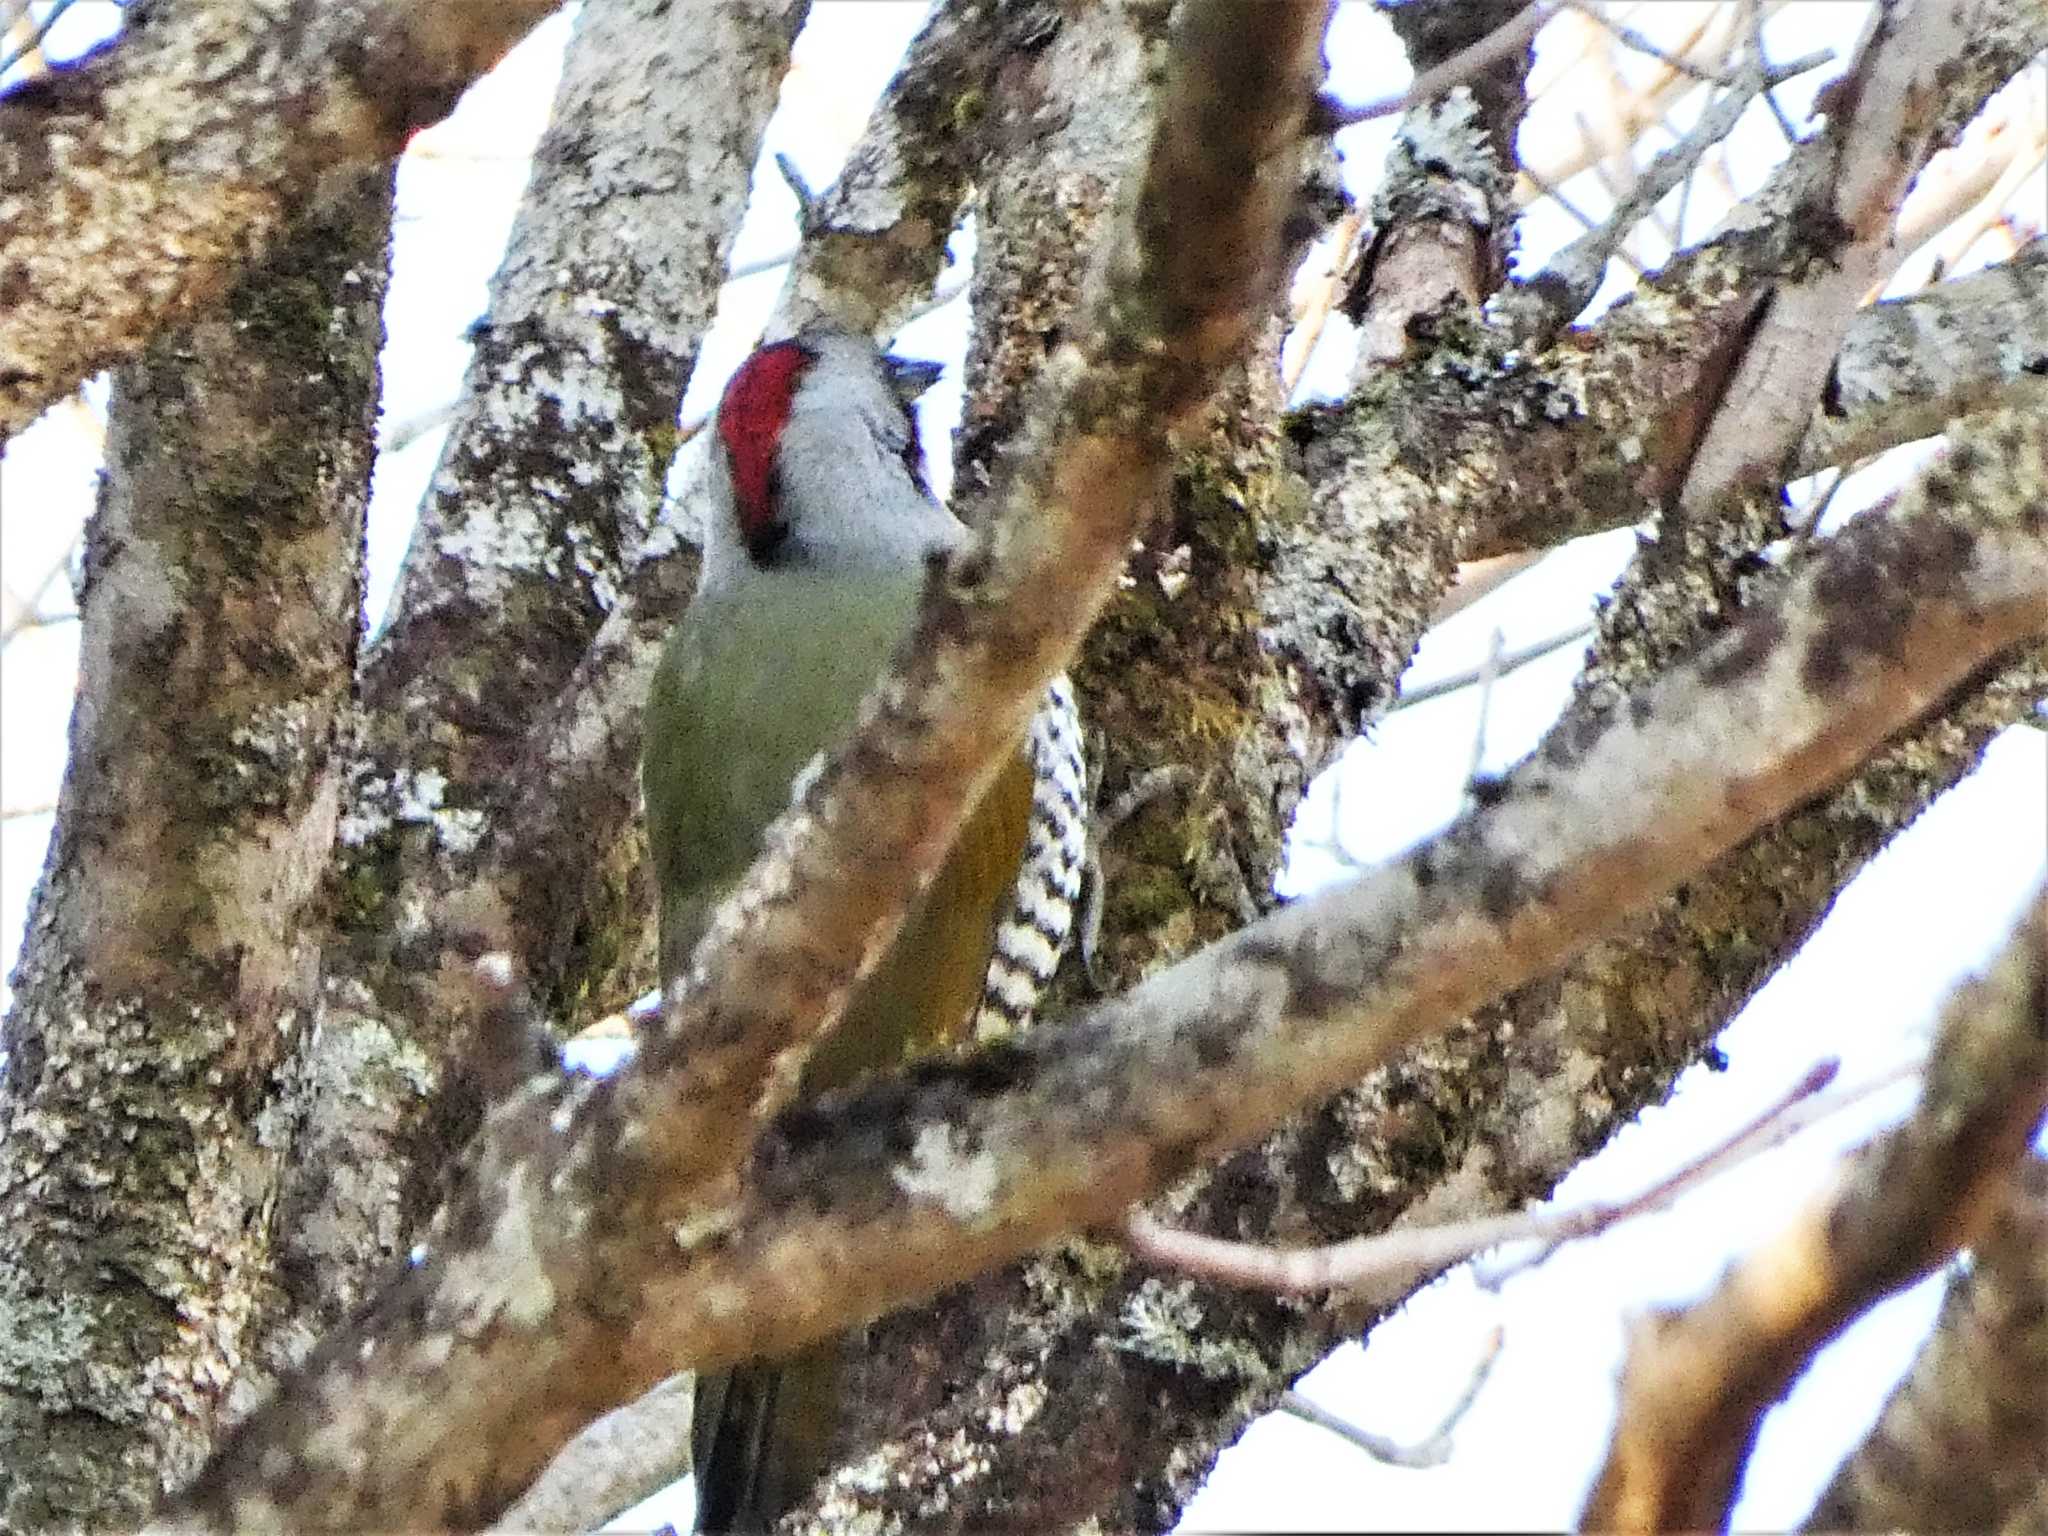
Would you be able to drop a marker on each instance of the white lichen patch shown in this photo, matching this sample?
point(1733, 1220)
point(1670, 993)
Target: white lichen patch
point(962, 1181)
point(460, 829)
point(1020, 1405)
point(417, 795)
point(505, 1281)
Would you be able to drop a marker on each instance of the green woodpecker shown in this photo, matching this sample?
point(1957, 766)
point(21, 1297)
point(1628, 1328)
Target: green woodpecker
point(817, 532)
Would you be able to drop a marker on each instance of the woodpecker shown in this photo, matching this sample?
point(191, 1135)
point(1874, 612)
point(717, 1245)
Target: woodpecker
point(818, 529)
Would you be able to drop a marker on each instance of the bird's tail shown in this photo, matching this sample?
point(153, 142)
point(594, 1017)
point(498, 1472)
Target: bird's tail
point(761, 1437)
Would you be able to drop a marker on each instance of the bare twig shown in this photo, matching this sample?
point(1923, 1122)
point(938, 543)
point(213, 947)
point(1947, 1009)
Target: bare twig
point(36, 33)
point(1459, 67)
point(1321, 299)
point(1547, 301)
point(1390, 1261)
point(1434, 1449)
point(1699, 1380)
point(1489, 673)
point(1508, 661)
point(27, 612)
point(1630, 38)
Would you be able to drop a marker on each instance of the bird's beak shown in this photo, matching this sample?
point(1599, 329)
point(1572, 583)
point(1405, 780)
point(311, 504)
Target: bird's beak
point(911, 376)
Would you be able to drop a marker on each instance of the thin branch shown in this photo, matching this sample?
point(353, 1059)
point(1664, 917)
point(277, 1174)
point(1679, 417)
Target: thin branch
point(1489, 674)
point(37, 31)
point(1509, 661)
point(1322, 298)
point(1391, 1261)
point(1699, 1380)
point(1459, 67)
point(1633, 40)
point(28, 615)
point(1434, 1449)
point(1541, 304)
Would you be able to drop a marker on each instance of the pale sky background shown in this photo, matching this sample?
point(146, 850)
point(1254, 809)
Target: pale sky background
point(1864, 989)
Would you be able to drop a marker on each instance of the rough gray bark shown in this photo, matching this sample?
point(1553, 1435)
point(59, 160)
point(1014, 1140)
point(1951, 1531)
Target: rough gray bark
point(1963, 1441)
point(1699, 1379)
point(166, 991)
point(134, 185)
point(548, 488)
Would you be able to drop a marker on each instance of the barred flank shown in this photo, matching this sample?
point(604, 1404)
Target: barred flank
point(1028, 944)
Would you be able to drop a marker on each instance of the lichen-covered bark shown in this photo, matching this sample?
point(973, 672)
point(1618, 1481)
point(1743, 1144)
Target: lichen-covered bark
point(1909, 366)
point(1443, 215)
point(166, 990)
point(135, 184)
point(524, 1354)
point(1962, 1443)
point(547, 488)
point(1699, 1379)
point(544, 1284)
point(877, 238)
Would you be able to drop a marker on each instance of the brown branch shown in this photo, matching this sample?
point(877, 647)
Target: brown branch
point(1456, 70)
point(1392, 1262)
point(1908, 367)
point(539, 1349)
point(1699, 1381)
point(1880, 132)
point(511, 1329)
point(1962, 1443)
point(135, 184)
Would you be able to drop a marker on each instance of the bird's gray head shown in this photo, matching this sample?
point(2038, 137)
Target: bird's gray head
point(814, 463)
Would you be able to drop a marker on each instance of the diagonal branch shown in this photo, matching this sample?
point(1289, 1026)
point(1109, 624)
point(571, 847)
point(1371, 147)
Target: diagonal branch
point(1880, 132)
point(1908, 367)
point(180, 153)
point(1963, 1442)
point(1699, 1381)
point(545, 1293)
point(516, 1324)
point(1175, 307)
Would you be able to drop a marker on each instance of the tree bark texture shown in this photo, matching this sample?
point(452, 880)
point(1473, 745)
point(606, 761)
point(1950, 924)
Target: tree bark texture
point(1266, 609)
point(166, 993)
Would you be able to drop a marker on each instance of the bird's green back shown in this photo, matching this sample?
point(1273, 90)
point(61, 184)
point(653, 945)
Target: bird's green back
point(746, 695)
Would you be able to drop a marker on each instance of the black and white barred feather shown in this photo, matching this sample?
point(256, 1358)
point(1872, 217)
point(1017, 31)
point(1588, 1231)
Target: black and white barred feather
point(1030, 939)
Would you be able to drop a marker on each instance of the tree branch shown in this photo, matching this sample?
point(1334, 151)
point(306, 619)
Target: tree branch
point(542, 1352)
point(1699, 1381)
point(1880, 132)
point(548, 487)
point(1963, 1442)
point(135, 184)
point(512, 1328)
point(1908, 367)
